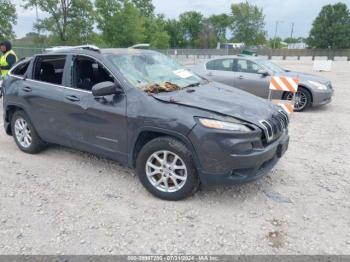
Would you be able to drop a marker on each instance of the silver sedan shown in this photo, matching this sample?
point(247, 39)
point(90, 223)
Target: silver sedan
point(253, 74)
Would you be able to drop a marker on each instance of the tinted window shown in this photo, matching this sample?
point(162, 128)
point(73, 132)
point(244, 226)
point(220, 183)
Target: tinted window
point(87, 72)
point(21, 69)
point(220, 64)
point(49, 69)
point(246, 66)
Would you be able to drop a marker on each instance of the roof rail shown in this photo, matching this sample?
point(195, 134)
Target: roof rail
point(65, 48)
point(141, 46)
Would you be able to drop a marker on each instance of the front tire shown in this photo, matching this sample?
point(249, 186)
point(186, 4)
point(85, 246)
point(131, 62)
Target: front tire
point(24, 134)
point(165, 168)
point(303, 99)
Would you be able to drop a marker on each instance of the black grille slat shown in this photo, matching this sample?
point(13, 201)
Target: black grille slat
point(274, 127)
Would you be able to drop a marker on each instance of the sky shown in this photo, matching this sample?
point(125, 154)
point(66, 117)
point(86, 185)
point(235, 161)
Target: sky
point(300, 12)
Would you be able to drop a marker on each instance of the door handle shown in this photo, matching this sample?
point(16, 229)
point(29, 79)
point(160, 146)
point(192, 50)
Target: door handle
point(73, 98)
point(241, 77)
point(210, 74)
point(26, 89)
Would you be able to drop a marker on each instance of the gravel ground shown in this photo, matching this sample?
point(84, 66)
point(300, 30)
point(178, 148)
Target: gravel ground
point(67, 202)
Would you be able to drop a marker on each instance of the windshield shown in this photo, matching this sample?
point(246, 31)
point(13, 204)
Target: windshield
point(272, 66)
point(149, 69)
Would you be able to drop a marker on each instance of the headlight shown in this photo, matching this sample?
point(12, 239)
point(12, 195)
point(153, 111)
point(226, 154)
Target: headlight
point(318, 85)
point(216, 124)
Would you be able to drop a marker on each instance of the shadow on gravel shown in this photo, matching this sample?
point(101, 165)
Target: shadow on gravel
point(317, 109)
point(260, 189)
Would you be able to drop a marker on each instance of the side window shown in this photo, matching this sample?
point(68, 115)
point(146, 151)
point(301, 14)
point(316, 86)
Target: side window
point(87, 72)
point(49, 69)
point(246, 66)
point(220, 65)
point(21, 69)
point(211, 65)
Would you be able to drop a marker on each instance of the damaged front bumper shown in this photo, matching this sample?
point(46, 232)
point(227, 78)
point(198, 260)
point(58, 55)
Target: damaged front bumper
point(226, 158)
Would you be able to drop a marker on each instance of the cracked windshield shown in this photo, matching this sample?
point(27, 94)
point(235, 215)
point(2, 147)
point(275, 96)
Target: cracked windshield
point(154, 72)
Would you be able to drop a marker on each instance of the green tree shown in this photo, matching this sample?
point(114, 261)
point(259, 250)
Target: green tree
point(292, 40)
point(331, 28)
point(32, 38)
point(8, 18)
point(145, 6)
point(207, 36)
point(276, 43)
point(220, 24)
point(175, 33)
point(121, 23)
point(156, 33)
point(191, 24)
point(68, 21)
point(160, 40)
point(247, 24)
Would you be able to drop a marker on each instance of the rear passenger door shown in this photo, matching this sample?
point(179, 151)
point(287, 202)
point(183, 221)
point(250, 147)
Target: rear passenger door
point(220, 70)
point(95, 124)
point(42, 94)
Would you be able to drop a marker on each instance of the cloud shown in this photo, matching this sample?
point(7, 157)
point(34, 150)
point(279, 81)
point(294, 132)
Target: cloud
point(25, 19)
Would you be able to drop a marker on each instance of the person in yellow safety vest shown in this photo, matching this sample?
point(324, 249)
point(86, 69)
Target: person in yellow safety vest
point(8, 58)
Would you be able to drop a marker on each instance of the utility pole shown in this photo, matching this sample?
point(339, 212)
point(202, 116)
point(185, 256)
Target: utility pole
point(37, 14)
point(276, 28)
point(292, 31)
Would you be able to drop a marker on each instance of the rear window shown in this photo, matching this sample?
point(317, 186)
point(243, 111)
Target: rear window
point(220, 65)
point(49, 69)
point(21, 69)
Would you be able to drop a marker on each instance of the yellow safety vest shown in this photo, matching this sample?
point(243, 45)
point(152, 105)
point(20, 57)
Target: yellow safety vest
point(3, 61)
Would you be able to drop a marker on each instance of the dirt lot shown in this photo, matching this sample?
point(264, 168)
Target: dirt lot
point(67, 202)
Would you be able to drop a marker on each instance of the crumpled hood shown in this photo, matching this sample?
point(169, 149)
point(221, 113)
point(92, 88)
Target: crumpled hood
point(303, 77)
point(222, 99)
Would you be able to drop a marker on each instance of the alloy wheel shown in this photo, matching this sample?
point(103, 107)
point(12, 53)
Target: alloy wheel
point(166, 171)
point(23, 133)
point(300, 100)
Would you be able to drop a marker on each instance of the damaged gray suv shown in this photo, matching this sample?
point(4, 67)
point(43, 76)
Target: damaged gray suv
point(144, 110)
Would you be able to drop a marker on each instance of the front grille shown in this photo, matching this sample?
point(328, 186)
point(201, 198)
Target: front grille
point(275, 126)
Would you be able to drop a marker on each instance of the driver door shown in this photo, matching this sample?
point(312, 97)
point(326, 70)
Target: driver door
point(95, 124)
point(249, 79)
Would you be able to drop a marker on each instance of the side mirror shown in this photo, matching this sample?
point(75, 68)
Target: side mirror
point(105, 89)
point(264, 73)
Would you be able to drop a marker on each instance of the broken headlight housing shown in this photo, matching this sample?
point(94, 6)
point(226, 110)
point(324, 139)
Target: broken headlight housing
point(223, 125)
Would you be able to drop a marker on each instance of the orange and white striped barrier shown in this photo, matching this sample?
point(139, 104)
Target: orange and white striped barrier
point(286, 105)
point(283, 83)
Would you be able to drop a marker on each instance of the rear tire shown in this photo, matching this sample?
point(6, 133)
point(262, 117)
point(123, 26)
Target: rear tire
point(24, 134)
point(165, 168)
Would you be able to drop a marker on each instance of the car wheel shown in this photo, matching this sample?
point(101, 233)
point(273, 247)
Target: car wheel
point(24, 134)
point(302, 99)
point(165, 168)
